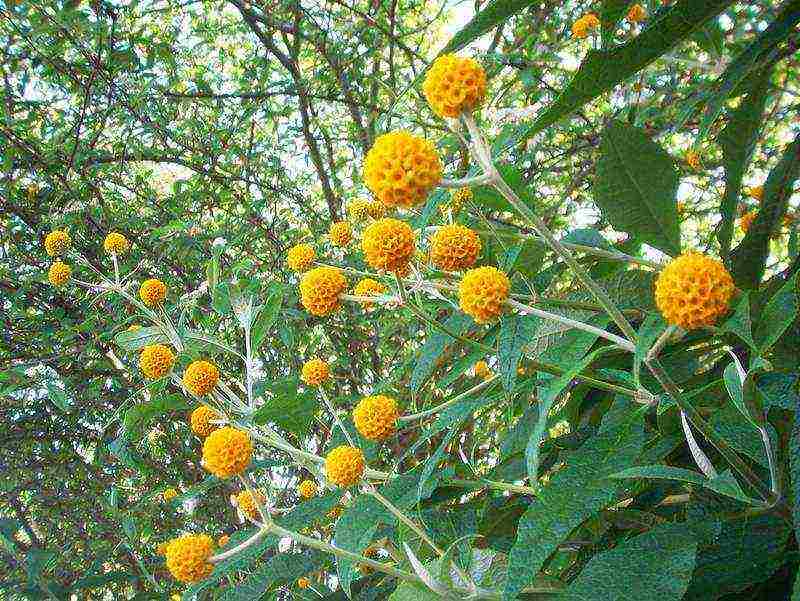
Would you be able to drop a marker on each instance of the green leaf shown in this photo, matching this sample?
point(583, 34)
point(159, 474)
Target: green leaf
point(739, 323)
point(711, 38)
point(779, 390)
point(654, 565)
point(604, 69)
point(760, 51)
point(433, 348)
point(611, 11)
point(515, 332)
point(738, 141)
point(794, 471)
point(574, 494)
point(778, 315)
point(495, 13)
point(267, 315)
point(281, 569)
point(138, 417)
point(57, 394)
point(636, 186)
point(653, 326)
point(290, 409)
point(749, 259)
point(723, 484)
point(133, 340)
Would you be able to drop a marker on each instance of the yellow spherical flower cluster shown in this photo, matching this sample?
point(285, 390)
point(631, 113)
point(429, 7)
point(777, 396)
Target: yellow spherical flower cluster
point(481, 370)
point(388, 244)
point(315, 371)
point(756, 192)
point(153, 292)
point(156, 361)
point(303, 582)
point(400, 169)
point(482, 293)
point(693, 291)
point(376, 416)
point(693, 159)
point(59, 273)
point(170, 494)
point(248, 503)
point(187, 557)
point(454, 85)
point(747, 220)
point(300, 257)
point(161, 548)
point(56, 243)
point(377, 210)
point(320, 289)
point(223, 540)
point(227, 452)
point(340, 233)
point(116, 243)
point(369, 287)
point(584, 25)
point(344, 466)
point(636, 13)
point(454, 247)
point(458, 198)
point(358, 210)
point(307, 489)
point(200, 377)
point(201, 421)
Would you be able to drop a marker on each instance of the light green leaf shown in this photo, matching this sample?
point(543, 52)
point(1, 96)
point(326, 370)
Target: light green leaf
point(138, 417)
point(653, 326)
point(740, 323)
point(778, 315)
point(282, 568)
point(290, 409)
point(433, 348)
point(267, 315)
point(636, 186)
point(133, 340)
point(723, 484)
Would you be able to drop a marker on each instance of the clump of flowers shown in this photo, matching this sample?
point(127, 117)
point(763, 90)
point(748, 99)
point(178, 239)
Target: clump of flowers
point(56, 243)
point(227, 452)
point(153, 292)
point(315, 371)
point(388, 244)
point(482, 293)
point(401, 169)
point(223, 540)
point(340, 233)
point(458, 198)
point(693, 291)
point(454, 85)
point(59, 273)
point(345, 465)
point(586, 24)
point(454, 247)
point(358, 210)
point(481, 370)
point(693, 159)
point(369, 287)
point(756, 192)
point(201, 420)
point(320, 289)
point(248, 503)
point(307, 489)
point(747, 220)
point(200, 377)
point(156, 361)
point(300, 257)
point(116, 244)
point(187, 557)
point(170, 494)
point(377, 210)
point(636, 13)
point(376, 416)
point(303, 582)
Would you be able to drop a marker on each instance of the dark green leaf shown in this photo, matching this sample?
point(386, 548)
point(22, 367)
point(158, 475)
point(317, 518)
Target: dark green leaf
point(515, 332)
point(778, 315)
point(495, 13)
point(724, 484)
point(133, 340)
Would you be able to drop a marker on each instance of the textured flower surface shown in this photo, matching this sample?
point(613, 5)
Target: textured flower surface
point(377, 210)
point(153, 292)
point(59, 273)
point(116, 243)
point(693, 159)
point(156, 361)
point(161, 548)
point(369, 287)
point(303, 582)
point(340, 233)
point(170, 494)
point(248, 503)
point(401, 169)
point(300, 257)
point(454, 247)
point(358, 210)
point(227, 452)
point(693, 291)
point(458, 198)
point(223, 540)
point(586, 24)
point(388, 244)
point(320, 289)
point(376, 416)
point(482, 293)
point(756, 192)
point(56, 243)
point(187, 557)
point(344, 466)
point(201, 421)
point(200, 377)
point(481, 369)
point(636, 13)
point(307, 489)
point(747, 220)
point(454, 85)
point(315, 371)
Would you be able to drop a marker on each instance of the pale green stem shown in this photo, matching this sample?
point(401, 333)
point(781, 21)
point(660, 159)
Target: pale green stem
point(416, 528)
point(475, 389)
point(515, 488)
